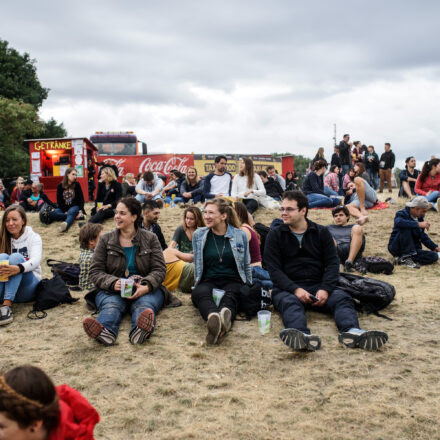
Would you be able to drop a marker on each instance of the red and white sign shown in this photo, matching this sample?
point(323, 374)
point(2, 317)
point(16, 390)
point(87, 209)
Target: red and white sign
point(157, 163)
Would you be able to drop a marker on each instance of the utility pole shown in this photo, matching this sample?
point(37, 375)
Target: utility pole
point(334, 134)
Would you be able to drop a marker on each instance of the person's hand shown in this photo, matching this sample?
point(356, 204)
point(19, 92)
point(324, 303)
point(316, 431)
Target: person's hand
point(140, 291)
point(424, 225)
point(248, 192)
point(437, 249)
point(117, 286)
point(429, 192)
point(187, 195)
point(9, 271)
point(80, 213)
point(302, 295)
point(322, 296)
point(148, 195)
point(219, 195)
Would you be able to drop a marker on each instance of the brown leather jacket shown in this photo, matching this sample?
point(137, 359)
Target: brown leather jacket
point(109, 261)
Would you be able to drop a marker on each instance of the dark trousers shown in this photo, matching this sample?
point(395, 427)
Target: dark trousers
point(101, 215)
point(203, 300)
point(340, 304)
point(403, 245)
point(251, 205)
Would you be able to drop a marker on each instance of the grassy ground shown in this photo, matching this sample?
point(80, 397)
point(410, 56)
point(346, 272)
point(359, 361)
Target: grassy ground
point(252, 386)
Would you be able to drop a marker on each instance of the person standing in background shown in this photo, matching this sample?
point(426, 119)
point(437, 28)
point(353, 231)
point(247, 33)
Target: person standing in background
point(386, 165)
point(344, 154)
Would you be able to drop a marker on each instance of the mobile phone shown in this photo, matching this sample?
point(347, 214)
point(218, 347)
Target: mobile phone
point(313, 297)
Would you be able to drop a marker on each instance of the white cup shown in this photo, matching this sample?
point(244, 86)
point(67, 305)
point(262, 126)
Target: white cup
point(217, 294)
point(264, 321)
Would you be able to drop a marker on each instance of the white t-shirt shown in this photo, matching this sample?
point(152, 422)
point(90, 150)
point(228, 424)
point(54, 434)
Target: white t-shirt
point(220, 184)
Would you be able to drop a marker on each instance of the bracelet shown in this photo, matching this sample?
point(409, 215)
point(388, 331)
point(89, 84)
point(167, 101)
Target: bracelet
point(21, 267)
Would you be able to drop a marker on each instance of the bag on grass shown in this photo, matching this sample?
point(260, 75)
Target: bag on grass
point(44, 213)
point(253, 299)
point(374, 265)
point(69, 272)
point(50, 293)
point(369, 295)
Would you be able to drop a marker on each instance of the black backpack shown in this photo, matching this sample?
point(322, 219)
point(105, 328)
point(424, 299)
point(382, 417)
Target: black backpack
point(44, 213)
point(50, 293)
point(253, 299)
point(69, 272)
point(369, 295)
point(262, 231)
point(374, 265)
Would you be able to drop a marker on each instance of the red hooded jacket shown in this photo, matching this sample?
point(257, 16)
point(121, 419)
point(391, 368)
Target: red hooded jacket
point(77, 416)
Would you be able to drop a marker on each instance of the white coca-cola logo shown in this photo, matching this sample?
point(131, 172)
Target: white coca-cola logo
point(164, 166)
point(118, 163)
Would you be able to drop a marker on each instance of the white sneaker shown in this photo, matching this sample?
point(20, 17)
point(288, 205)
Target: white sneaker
point(62, 227)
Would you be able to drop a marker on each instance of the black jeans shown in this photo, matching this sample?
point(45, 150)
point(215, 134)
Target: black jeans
point(251, 205)
point(203, 300)
point(101, 215)
point(340, 304)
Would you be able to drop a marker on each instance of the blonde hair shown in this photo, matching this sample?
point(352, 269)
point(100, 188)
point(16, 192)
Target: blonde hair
point(197, 174)
point(110, 173)
point(225, 207)
point(128, 176)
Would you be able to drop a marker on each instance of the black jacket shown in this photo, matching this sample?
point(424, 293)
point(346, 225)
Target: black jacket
point(336, 160)
point(292, 265)
point(389, 159)
point(110, 197)
point(273, 188)
point(156, 229)
point(344, 153)
point(77, 201)
point(313, 184)
point(27, 207)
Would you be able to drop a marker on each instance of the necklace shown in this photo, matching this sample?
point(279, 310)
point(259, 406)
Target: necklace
point(130, 261)
point(220, 257)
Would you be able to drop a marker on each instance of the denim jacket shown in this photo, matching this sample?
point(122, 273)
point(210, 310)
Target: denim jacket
point(240, 249)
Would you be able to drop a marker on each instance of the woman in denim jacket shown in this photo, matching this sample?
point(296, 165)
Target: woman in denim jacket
point(221, 261)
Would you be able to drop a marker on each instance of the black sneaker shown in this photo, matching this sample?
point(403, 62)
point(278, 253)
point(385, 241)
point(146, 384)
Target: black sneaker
point(409, 262)
point(6, 315)
point(349, 266)
point(299, 341)
point(367, 340)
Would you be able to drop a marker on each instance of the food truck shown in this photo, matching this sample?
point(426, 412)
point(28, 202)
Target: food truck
point(50, 159)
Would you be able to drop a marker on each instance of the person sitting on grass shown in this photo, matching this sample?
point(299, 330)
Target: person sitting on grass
point(109, 193)
point(89, 236)
point(331, 182)
point(129, 185)
point(364, 197)
point(4, 196)
point(191, 188)
point(151, 214)
point(32, 408)
point(428, 182)
point(221, 261)
point(408, 178)
point(272, 186)
point(126, 252)
point(409, 234)
point(16, 192)
point(173, 187)
point(304, 266)
point(34, 201)
point(180, 270)
point(313, 187)
point(149, 187)
point(21, 249)
point(349, 239)
point(183, 235)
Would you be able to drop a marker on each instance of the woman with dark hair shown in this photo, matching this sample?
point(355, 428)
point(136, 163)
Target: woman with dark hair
point(247, 185)
point(183, 235)
point(408, 178)
point(291, 181)
point(331, 182)
point(192, 186)
point(221, 262)
point(259, 275)
point(18, 189)
point(428, 182)
point(70, 200)
point(109, 193)
point(128, 253)
point(20, 256)
point(313, 188)
point(4, 196)
point(32, 408)
point(173, 187)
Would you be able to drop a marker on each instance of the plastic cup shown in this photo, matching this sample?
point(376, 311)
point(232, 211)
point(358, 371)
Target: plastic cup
point(126, 287)
point(98, 205)
point(264, 321)
point(217, 294)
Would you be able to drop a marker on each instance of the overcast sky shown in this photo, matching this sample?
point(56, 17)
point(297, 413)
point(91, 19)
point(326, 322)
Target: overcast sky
point(238, 76)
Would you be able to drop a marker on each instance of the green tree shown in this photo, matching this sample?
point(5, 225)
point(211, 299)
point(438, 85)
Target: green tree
point(300, 164)
point(51, 130)
point(18, 77)
point(17, 122)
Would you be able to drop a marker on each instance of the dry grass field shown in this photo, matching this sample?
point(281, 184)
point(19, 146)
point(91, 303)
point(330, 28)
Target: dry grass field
point(251, 386)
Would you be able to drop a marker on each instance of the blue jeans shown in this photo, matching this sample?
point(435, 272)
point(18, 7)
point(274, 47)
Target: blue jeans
point(141, 198)
point(374, 178)
point(261, 276)
point(330, 192)
point(112, 308)
point(21, 287)
point(196, 199)
point(322, 201)
point(59, 216)
point(177, 199)
point(432, 198)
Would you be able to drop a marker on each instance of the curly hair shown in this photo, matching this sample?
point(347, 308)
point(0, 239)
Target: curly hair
point(28, 395)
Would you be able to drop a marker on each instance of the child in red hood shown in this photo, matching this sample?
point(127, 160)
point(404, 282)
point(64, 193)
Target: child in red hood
point(31, 408)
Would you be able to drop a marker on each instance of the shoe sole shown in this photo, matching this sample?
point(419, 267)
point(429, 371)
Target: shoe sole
point(92, 327)
point(299, 341)
point(225, 316)
point(62, 228)
point(214, 328)
point(144, 327)
point(7, 321)
point(369, 340)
